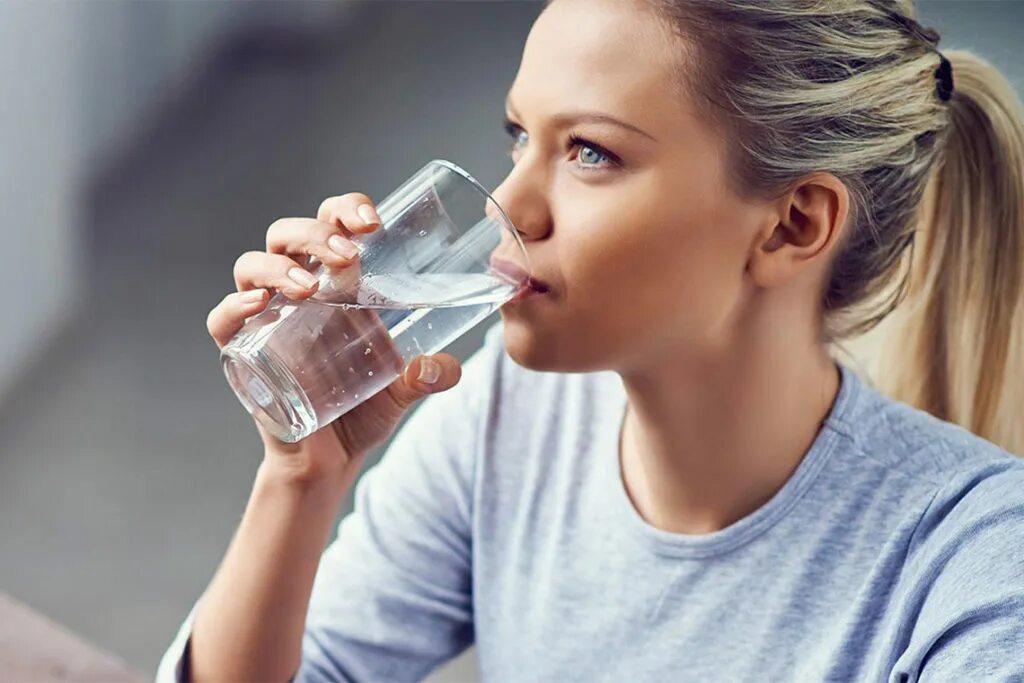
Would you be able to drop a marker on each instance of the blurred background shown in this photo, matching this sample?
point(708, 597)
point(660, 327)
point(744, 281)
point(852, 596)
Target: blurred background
point(143, 147)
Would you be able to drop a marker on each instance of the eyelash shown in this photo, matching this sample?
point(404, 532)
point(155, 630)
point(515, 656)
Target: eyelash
point(513, 129)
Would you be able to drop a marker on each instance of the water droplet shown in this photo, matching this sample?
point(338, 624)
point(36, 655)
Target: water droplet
point(430, 326)
point(370, 373)
point(352, 371)
point(423, 233)
point(346, 335)
point(367, 351)
point(346, 306)
point(357, 395)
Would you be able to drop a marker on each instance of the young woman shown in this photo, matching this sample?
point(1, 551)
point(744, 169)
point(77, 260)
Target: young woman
point(657, 469)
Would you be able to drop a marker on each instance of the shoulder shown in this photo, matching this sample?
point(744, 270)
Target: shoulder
point(980, 508)
point(916, 444)
point(962, 494)
point(964, 549)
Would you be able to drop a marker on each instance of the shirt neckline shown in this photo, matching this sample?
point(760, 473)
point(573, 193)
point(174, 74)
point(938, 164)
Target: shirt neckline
point(753, 525)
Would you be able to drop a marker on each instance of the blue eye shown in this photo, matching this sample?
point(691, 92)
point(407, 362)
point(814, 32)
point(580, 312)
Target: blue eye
point(585, 144)
point(515, 130)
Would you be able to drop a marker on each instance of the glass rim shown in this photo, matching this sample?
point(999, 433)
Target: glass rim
point(509, 225)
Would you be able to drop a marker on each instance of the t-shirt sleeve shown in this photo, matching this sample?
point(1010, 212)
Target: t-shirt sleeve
point(970, 624)
point(392, 598)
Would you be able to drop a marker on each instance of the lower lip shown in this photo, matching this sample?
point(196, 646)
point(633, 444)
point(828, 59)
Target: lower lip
point(524, 293)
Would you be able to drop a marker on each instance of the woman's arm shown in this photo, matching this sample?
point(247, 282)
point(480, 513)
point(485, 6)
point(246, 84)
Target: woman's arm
point(249, 622)
point(391, 596)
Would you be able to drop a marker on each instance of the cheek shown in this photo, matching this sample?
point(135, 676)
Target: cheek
point(674, 269)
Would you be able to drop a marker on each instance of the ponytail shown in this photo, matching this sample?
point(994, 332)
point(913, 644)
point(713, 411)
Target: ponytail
point(955, 344)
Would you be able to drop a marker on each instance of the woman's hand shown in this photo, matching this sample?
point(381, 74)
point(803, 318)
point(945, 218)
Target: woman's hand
point(337, 450)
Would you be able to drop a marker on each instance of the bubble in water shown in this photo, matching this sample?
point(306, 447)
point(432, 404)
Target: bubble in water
point(370, 373)
point(423, 233)
point(367, 351)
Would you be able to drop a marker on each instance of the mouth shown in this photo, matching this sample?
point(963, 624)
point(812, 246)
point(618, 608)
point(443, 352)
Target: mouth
point(530, 287)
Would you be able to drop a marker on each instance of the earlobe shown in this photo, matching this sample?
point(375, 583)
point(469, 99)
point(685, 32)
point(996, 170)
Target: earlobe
point(805, 226)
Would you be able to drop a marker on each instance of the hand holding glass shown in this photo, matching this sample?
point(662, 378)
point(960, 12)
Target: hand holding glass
point(444, 257)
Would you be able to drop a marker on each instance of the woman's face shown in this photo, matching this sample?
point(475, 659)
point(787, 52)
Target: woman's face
point(641, 241)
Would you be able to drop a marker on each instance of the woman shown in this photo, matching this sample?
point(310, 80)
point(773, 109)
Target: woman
point(657, 470)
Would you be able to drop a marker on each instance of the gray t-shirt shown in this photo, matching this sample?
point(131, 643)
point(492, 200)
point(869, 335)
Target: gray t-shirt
point(498, 516)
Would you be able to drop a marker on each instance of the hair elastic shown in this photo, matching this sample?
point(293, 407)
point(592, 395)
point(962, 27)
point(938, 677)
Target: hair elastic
point(944, 78)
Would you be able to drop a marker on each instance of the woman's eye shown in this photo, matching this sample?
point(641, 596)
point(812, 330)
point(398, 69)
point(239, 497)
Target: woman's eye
point(596, 153)
point(514, 131)
point(590, 154)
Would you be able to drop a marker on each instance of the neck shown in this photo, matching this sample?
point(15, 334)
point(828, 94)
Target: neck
point(706, 442)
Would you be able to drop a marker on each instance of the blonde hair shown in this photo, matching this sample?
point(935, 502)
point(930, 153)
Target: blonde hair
point(850, 87)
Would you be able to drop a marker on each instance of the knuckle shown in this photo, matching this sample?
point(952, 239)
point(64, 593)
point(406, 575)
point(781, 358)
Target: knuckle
point(345, 203)
point(212, 319)
point(354, 199)
point(241, 261)
point(278, 235)
point(246, 260)
point(324, 210)
point(320, 231)
point(278, 225)
point(274, 232)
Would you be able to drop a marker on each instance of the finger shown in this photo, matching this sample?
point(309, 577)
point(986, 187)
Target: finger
point(275, 271)
point(410, 386)
point(347, 211)
point(326, 242)
point(227, 318)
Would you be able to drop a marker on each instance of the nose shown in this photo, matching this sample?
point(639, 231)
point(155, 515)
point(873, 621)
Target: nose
point(523, 205)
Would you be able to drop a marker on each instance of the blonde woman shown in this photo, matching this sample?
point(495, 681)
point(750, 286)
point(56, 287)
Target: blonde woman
point(658, 469)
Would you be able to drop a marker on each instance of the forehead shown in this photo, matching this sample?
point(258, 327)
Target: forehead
point(609, 55)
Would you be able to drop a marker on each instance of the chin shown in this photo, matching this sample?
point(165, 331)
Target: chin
point(535, 349)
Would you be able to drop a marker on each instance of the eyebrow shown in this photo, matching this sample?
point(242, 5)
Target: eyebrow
point(570, 117)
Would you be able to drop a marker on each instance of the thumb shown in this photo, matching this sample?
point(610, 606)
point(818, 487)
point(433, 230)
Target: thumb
point(426, 375)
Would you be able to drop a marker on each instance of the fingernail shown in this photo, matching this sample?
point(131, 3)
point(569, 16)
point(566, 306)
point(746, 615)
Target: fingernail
point(252, 296)
point(368, 214)
point(302, 277)
point(429, 371)
point(340, 246)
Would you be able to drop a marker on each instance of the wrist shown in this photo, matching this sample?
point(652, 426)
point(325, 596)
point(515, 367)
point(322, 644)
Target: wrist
point(273, 473)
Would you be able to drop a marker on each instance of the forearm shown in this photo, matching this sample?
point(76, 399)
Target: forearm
point(250, 620)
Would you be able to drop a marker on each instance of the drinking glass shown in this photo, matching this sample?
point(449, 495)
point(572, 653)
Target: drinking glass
point(444, 257)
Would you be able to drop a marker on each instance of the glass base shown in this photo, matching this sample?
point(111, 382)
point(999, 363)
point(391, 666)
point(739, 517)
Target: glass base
point(270, 394)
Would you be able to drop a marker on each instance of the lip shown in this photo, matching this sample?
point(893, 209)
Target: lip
point(529, 289)
point(531, 285)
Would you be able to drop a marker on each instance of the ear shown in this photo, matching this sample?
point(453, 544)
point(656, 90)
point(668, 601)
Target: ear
point(804, 227)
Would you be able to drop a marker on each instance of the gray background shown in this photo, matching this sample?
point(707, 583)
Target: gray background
point(145, 146)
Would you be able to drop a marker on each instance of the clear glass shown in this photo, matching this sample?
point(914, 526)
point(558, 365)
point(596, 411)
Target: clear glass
point(444, 257)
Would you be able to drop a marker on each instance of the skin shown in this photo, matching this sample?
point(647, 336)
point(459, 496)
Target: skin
point(705, 302)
